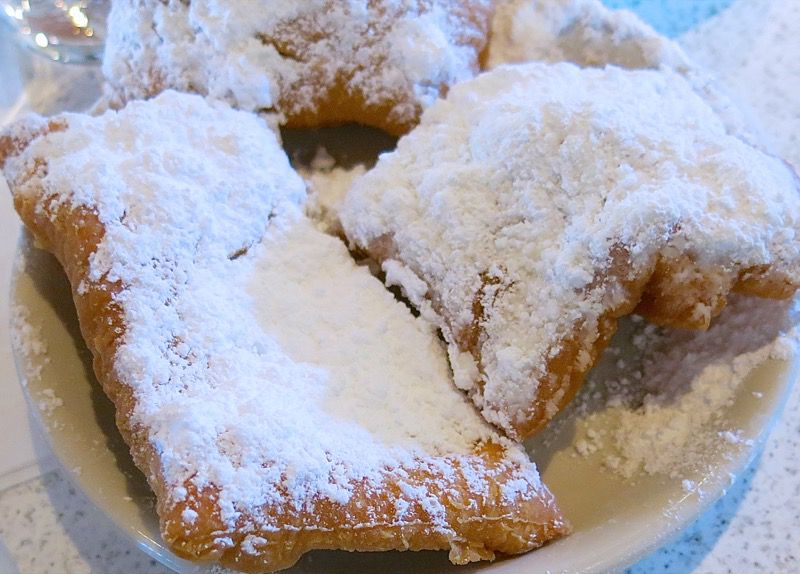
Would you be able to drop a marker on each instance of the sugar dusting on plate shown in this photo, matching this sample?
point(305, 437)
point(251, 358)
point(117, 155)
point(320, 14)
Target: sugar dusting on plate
point(31, 350)
point(30, 347)
point(659, 402)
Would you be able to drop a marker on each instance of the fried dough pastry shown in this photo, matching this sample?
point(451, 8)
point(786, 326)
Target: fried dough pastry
point(315, 62)
point(276, 396)
point(538, 203)
point(589, 34)
point(585, 32)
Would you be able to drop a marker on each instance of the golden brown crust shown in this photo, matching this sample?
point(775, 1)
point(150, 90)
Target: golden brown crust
point(681, 293)
point(483, 523)
point(568, 368)
point(488, 524)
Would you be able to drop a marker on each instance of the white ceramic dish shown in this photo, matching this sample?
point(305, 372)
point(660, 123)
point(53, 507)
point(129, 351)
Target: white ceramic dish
point(615, 521)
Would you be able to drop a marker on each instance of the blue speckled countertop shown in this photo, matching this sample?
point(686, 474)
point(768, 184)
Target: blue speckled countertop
point(672, 17)
point(46, 526)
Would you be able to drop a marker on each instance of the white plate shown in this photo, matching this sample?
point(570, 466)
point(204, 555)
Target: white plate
point(615, 521)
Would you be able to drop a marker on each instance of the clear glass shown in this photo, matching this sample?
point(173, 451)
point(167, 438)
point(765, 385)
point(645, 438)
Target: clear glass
point(63, 30)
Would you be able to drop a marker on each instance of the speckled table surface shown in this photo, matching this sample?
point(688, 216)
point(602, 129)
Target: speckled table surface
point(754, 47)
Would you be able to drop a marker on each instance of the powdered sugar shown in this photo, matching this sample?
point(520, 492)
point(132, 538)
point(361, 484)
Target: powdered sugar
point(376, 400)
point(26, 337)
point(31, 350)
point(327, 187)
point(341, 319)
point(514, 190)
point(663, 409)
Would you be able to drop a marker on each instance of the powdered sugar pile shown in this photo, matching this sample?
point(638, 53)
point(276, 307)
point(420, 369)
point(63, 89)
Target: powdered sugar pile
point(659, 401)
point(376, 392)
point(287, 55)
point(529, 175)
point(327, 187)
point(262, 359)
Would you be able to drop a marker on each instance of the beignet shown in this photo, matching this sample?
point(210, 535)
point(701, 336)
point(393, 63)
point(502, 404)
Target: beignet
point(276, 396)
point(540, 202)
